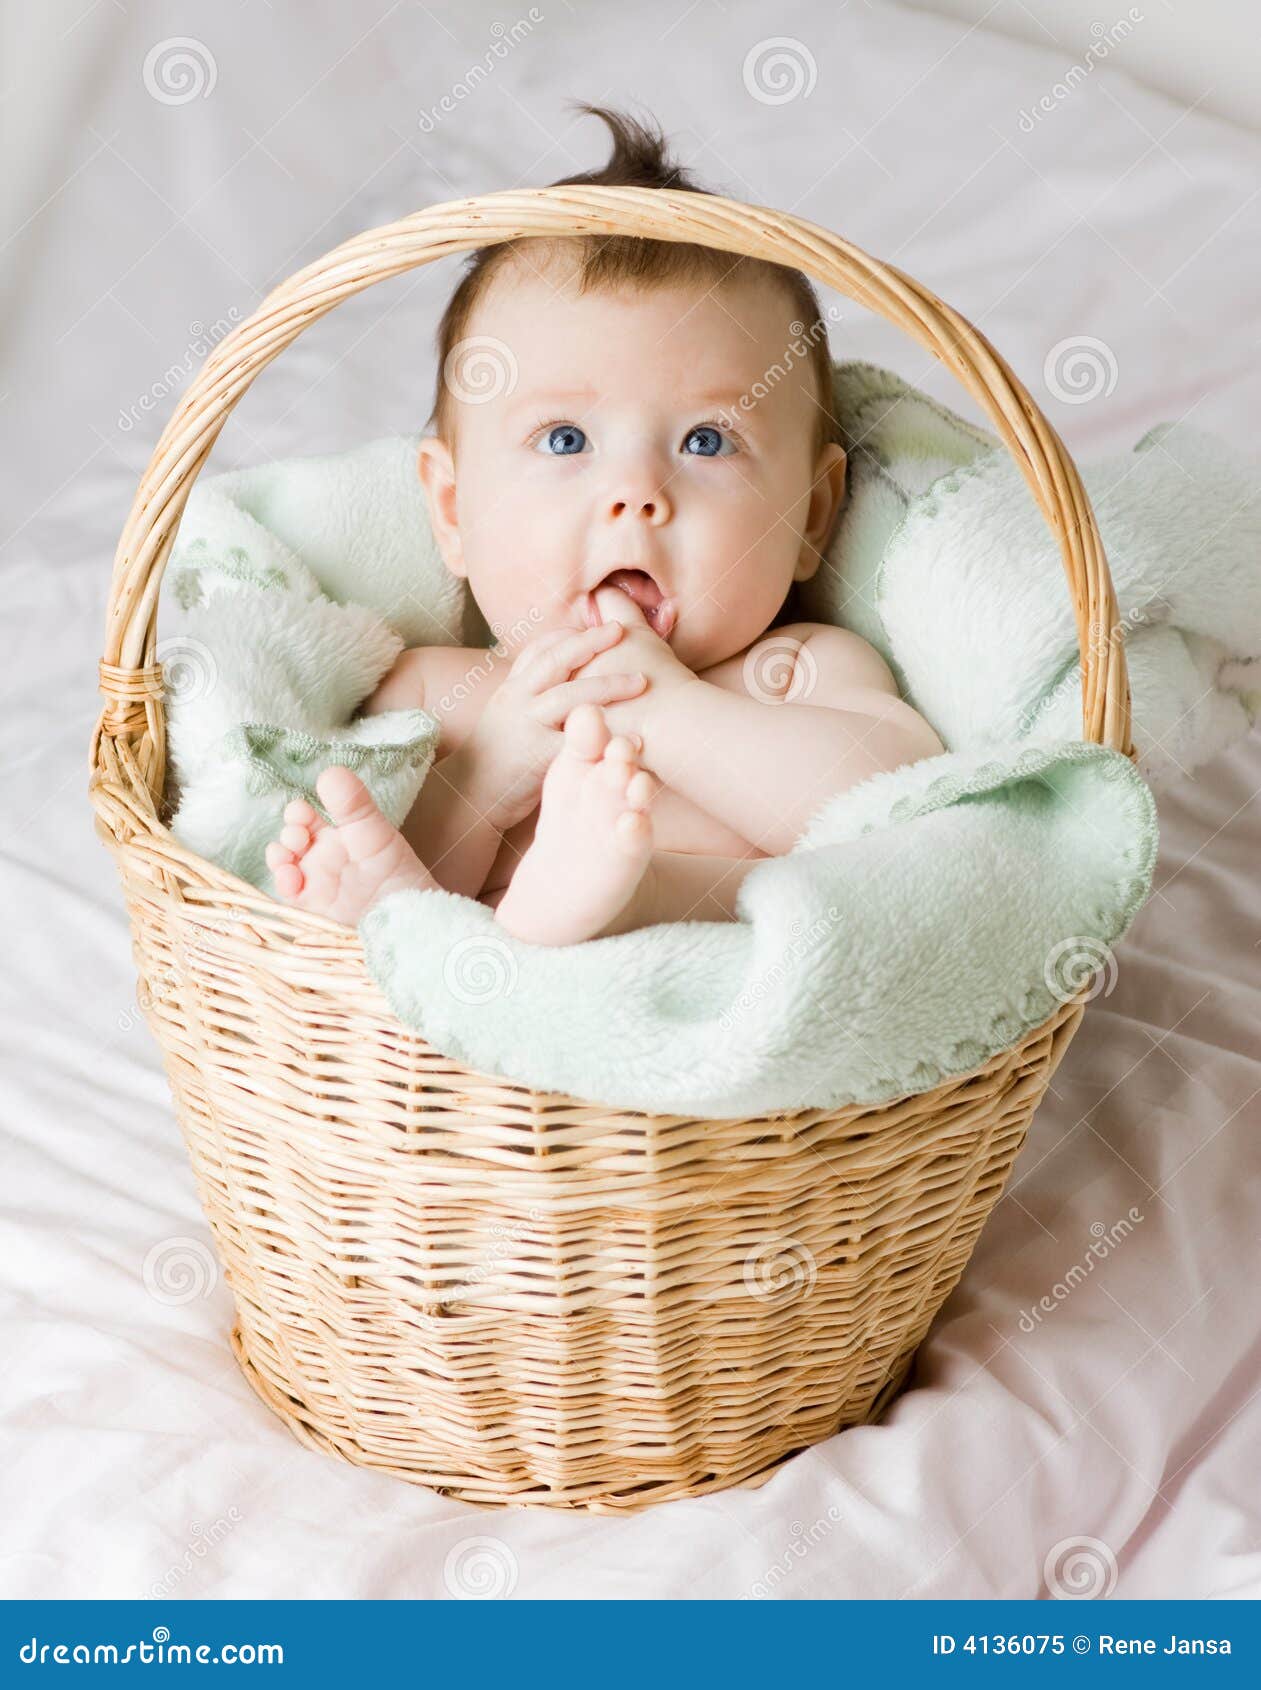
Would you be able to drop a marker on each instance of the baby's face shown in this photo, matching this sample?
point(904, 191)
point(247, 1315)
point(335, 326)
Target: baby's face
point(619, 441)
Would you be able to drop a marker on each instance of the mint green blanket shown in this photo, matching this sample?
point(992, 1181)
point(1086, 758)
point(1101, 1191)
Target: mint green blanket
point(922, 922)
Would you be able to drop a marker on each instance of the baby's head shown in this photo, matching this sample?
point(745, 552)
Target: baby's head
point(611, 403)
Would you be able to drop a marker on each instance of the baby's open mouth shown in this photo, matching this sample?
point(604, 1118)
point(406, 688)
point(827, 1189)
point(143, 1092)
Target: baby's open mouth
point(641, 589)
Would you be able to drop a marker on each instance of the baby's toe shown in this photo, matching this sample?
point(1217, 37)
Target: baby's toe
point(345, 796)
point(586, 732)
point(277, 855)
point(299, 813)
point(295, 839)
point(640, 790)
point(633, 832)
point(621, 749)
point(619, 765)
point(289, 879)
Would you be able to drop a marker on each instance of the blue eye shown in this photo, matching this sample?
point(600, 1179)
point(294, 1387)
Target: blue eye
point(707, 442)
point(563, 441)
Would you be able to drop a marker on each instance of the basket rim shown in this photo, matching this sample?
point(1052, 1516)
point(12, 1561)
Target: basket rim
point(133, 719)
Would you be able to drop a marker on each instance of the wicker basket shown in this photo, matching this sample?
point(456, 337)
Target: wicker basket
point(513, 1297)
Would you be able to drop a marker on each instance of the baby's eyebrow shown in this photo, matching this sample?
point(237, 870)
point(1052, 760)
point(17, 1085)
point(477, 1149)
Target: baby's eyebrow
point(718, 396)
point(724, 396)
point(538, 395)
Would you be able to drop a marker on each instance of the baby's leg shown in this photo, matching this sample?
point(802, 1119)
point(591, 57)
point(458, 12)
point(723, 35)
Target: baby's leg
point(675, 886)
point(682, 886)
point(591, 871)
point(592, 841)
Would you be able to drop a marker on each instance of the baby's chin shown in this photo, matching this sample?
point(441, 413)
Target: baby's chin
point(701, 649)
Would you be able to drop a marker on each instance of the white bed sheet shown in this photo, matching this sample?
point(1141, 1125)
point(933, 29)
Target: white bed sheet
point(138, 1460)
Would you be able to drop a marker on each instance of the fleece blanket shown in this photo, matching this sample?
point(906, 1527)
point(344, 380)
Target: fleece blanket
point(922, 921)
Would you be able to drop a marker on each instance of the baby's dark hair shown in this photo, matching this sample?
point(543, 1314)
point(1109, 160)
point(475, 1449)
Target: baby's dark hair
point(640, 159)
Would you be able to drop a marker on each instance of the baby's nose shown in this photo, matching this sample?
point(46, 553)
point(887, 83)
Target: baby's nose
point(653, 507)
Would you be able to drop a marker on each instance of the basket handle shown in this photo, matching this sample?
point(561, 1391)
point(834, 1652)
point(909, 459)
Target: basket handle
point(130, 739)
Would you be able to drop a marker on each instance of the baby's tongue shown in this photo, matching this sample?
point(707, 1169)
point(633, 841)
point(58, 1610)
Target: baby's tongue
point(637, 586)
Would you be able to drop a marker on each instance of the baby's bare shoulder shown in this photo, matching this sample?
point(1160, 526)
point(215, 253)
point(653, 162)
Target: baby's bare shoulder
point(841, 654)
point(788, 661)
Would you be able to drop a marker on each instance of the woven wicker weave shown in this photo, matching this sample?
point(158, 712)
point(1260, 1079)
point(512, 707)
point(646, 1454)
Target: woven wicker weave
point(512, 1297)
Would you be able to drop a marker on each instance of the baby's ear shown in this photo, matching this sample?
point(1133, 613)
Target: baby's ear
point(826, 495)
point(436, 467)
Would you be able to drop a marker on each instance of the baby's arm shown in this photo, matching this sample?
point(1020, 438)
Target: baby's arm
point(454, 827)
point(501, 718)
point(765, 767)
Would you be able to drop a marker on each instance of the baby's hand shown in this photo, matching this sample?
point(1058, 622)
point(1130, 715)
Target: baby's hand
point(640, 648)
point(519, 731)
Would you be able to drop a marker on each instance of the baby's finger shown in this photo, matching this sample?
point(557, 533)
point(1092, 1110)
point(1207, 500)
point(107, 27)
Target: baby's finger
point(533, 647)
point(555, 705)
point(558, 662)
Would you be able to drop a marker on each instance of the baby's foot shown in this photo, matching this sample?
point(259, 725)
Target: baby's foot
point(340, 870)
point(592, 842)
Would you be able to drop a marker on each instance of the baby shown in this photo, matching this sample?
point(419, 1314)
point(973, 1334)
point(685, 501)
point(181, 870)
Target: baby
point(654, 721)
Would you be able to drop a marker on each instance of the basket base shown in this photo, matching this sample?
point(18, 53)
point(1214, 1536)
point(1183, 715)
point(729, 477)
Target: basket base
point(402, 1305)
point(300, 1422)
